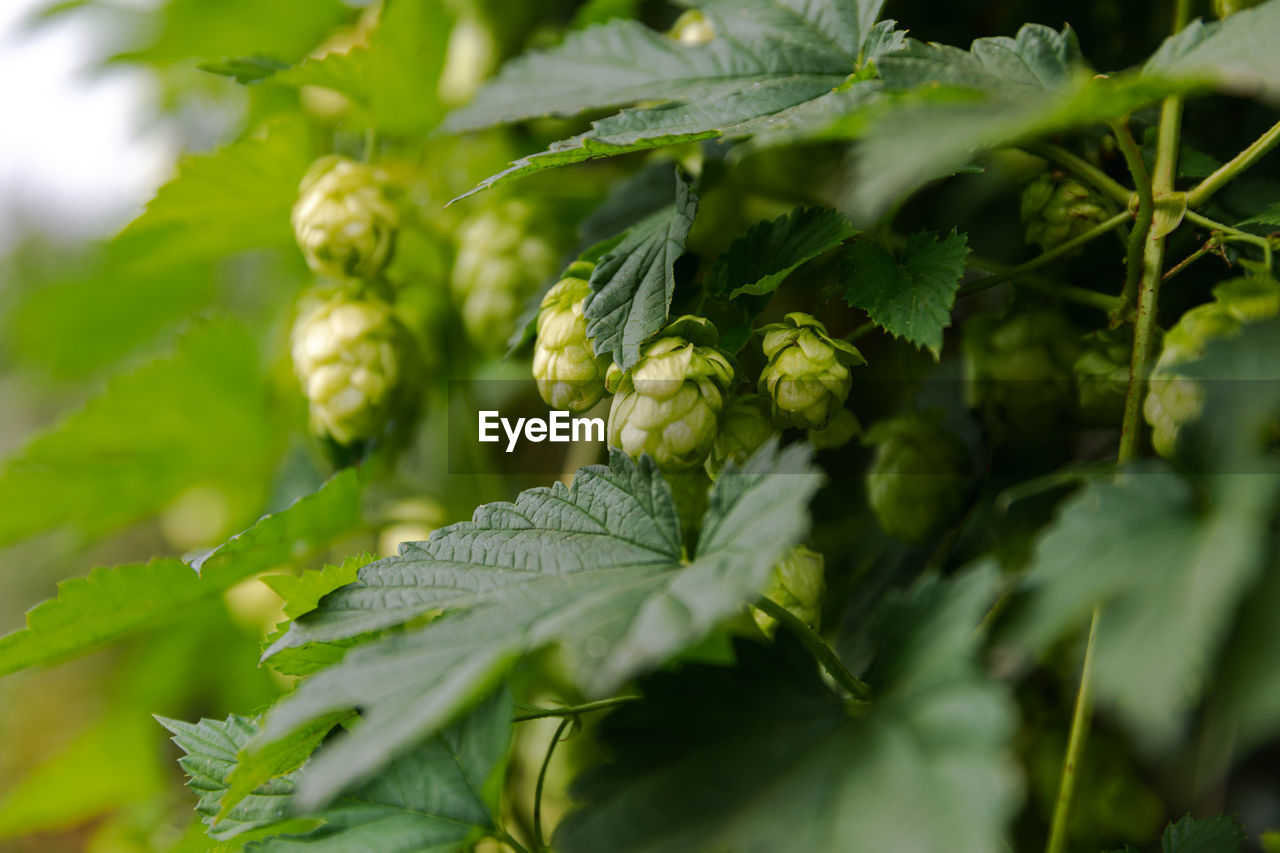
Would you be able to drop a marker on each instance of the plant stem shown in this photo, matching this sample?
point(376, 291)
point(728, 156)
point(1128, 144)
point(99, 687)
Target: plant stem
point(1081, 295)
point(1231, 234)
point(575, 710)
point(539, 844)
point(1040, 260)
point(835, 667)
point(1109, 186)
point(1075, 746)
point(1191, 259)
point(860, 331)
point(508, 839)
point(1142, 220)
point(1233, 167)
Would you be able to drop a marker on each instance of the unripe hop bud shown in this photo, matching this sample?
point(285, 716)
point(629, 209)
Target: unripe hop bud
point(1172, 399)
point(1057, 210)
point(1102, 375)
point(500, 264)
point(569, 375)
point(807, 377)
point(669, 404)
point(796, 586)
point(1019, 369)
point(345, 218)
point(352, 357)
point(744, 427)
point(919, 476)
point(844, 428)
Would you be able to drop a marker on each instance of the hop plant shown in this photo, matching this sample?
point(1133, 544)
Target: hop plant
point(796, 586)
point(693, 28)
point(1227, 8)
point(501, 262)
point(1055, 210)
point(918, 477)
point(352, 356)
point(1102, 375)
point(1019, 371)
point(669, 404)
point(744, 427)
point(345, 219)
point(807, 377)
point(1172, 399)
point(842, 429)
point(569, 375)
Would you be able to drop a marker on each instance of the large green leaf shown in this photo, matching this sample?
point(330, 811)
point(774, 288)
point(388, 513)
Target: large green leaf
point(1237, 54)
point(909, 297)
point(436, 797)
point(764, 757)
point(302, 594)
point(767, 56)
point(632, 284)
point(759, 261)
point(109, 604)
point(597, 570)
point(202, 417)
point(391, 81)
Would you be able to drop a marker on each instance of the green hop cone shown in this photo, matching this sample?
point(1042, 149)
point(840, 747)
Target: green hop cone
point(844, 428)
point(569, 375)
point(352, 357)
point(346, 218)
point(744, 427)
point(669, 404)
point(1056, 210)
point(501, 262)
point(796, 586)
point(1102, 375)
point(1019, 370)
point(807, 377)
point(919, 476)
point(1172, 399)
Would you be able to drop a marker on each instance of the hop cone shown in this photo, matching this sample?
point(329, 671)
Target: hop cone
point(807, 377)
point(351, 356)
point(569, 375)
point(1056, 210)
point(1102, 375)
point(669, 404)
point(1020, 370)
point(501, 263)
point(345, 219)
point(1172, 399)
point(744, 427)
point(918, 477)
point(796, 586)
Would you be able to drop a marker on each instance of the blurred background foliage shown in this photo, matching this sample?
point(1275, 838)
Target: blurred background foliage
point(150, 365)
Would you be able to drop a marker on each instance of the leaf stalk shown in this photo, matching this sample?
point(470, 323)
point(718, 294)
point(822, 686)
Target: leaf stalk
point(825, 655)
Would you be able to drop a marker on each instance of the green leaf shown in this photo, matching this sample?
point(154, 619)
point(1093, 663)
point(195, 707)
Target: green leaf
point(302, 594)
point(763, 757)
point(197, 419)
point(767, 56)
point(245, 69)
point(760, 260)
point(910, 297)
point(393, 80)
point(1140, 548)
point(109, 604)
point(439, 796)
point(1219, 834)
point(632, 284)
point(1236, 55)
point(596, 570)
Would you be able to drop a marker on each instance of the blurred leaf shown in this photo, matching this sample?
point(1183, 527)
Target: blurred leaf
point(910, 297)
point(766, 57)
point(199, 418)
point(595, 12)
point(763, 757)
point(1235, 54)
point(1168, 575)
point(438, 797)
point(1219, 834)
point(392, 80)
point(632, 284)
point(760, 260)
point(596, 570)
point(245, 69)
point(109, 604)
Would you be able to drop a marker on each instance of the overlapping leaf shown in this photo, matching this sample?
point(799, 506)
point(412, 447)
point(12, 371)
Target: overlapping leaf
point(632, 284)
point(596, 570)
point(909, 297)
point(109, 604)
point(434, 798)
point(763, 757)
point(1237, 54)
point(767, 56)
point(760, 260)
